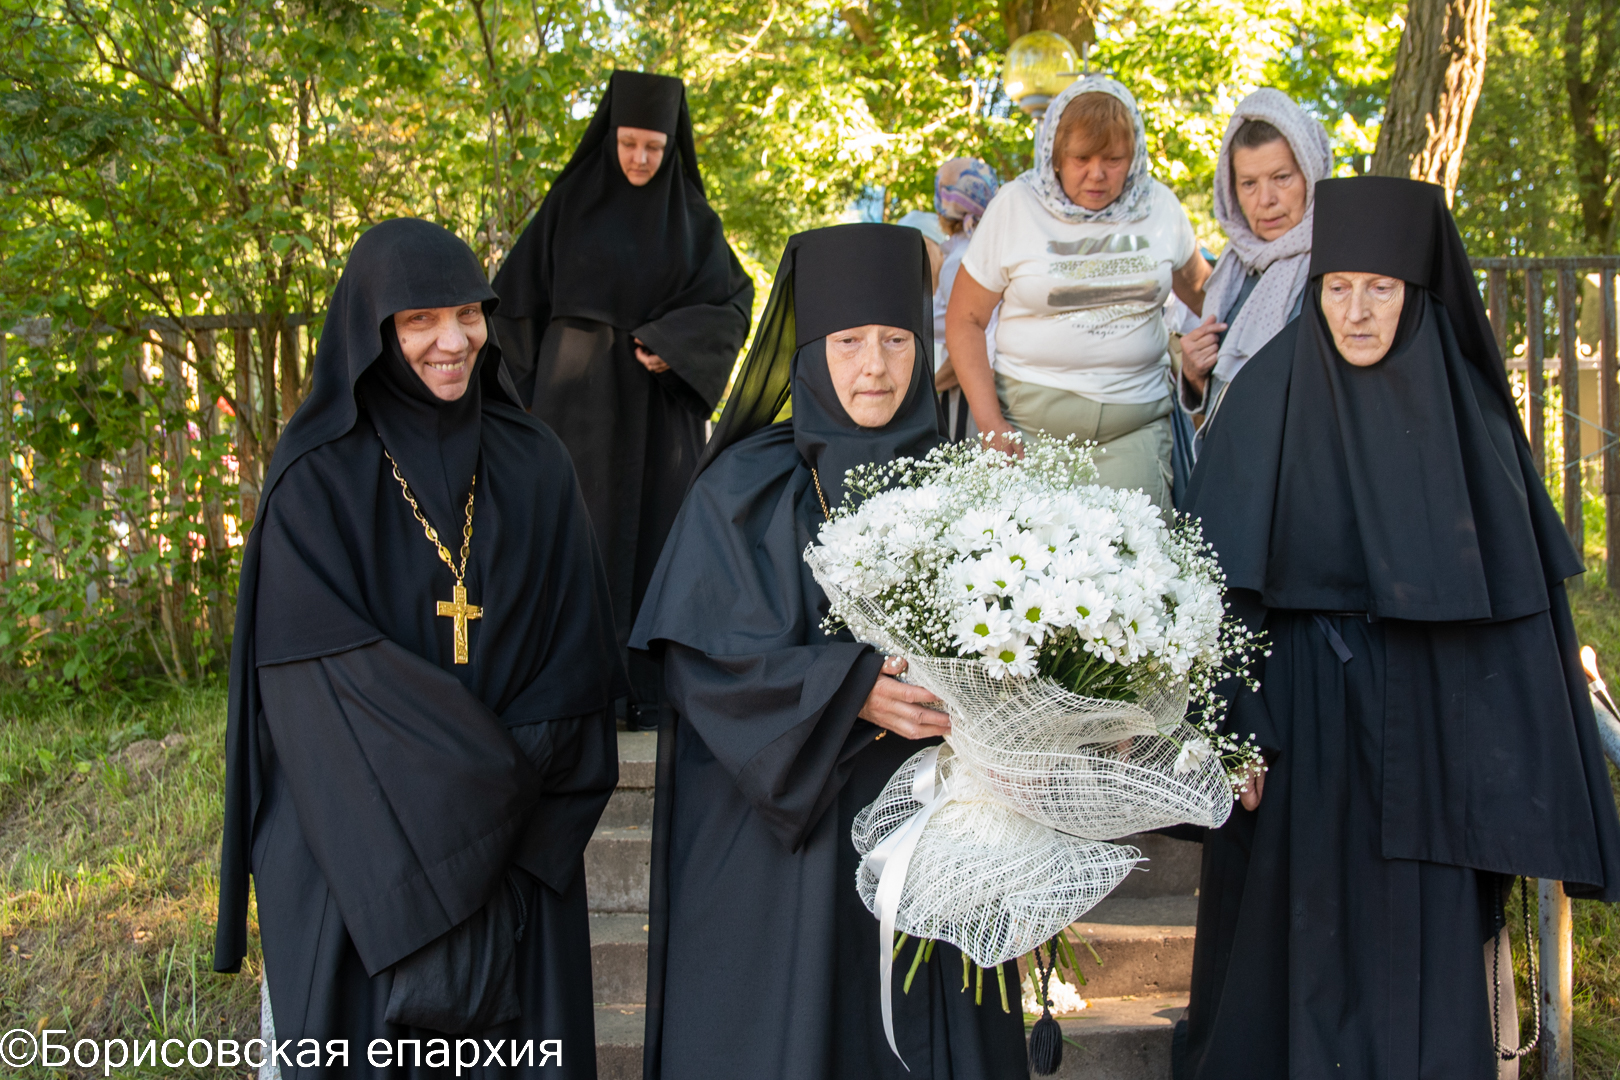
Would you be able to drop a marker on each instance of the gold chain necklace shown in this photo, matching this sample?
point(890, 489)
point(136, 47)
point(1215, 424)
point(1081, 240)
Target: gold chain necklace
point(456, 607)
point(822, 498)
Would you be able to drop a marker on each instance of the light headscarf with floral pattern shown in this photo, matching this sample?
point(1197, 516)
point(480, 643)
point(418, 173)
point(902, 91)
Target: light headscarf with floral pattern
point(1134, 202)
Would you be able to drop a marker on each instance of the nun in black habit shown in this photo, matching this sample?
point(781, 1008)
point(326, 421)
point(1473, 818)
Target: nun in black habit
point(762, 955)
point(622, 312)
point(1422, 708)
point(421, 733)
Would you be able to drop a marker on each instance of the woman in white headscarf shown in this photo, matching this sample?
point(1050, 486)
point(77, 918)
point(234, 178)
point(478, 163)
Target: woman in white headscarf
point(1080, 252)
point(1271, 158)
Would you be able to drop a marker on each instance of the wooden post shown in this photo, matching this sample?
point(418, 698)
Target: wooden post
point(208, 405)
point(213, 508)
point(1569, 378)
point(247, 449)
point(1609, 417)
point(1557, 983)
point(91, 470)
point(1534, 375)
point(1496, 298)
point(268, 429)
point(172, 592)
point(290, 375)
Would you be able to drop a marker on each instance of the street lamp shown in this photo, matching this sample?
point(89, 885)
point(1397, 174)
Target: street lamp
point(1039, 65)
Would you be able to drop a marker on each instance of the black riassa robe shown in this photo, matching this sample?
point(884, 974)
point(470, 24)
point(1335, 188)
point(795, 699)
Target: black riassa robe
point(414, 826)
point(763, 959)
point(605, 264)
point(1422, 707)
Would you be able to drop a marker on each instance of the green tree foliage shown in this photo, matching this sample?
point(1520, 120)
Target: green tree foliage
point(1517, 194)
point(1537, 178)
point(166, 160)
point(182, 179)
point(801, 107)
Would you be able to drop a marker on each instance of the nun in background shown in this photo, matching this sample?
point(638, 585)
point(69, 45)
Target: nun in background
point(762, 962)
point(622, 312)
point(1271, 158)
point(1371, 496)
point(420, 735)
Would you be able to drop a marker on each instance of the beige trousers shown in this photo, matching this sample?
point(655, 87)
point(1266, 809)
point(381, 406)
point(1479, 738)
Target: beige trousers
point(1133, 441)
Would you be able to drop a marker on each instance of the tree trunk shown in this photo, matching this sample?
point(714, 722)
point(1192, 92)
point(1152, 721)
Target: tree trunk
point(1439, 70)
point(1585, 87)
point(1073, 19)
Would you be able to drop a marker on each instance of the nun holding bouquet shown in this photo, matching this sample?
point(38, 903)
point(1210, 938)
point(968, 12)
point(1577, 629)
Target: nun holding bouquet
point(1076, 641)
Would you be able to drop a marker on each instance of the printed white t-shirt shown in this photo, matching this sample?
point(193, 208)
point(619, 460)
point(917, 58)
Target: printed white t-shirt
point(1082, 304)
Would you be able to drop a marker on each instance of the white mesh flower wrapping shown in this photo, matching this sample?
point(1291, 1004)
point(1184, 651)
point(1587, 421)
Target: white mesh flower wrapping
point(1004, 582)
point(1036, 777)
point(984, 877)
point(1084, 766)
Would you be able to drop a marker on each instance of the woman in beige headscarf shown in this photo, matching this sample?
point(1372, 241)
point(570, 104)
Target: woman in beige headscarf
point(1271, 158)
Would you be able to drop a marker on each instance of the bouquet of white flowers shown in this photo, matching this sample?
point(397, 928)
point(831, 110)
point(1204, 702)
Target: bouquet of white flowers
point(1076, 641)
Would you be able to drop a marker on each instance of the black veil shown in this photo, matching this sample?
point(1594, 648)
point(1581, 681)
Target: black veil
point(782, 419)
point(353, 569)
point(601, 248)
point(829, 280)
point(1405, 490)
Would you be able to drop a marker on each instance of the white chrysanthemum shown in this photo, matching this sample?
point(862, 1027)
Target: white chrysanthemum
point(981, 629)
point(1033, 606)
point(978, 530)
point(1194, 753)
point(996, 573)
point(1016, 657)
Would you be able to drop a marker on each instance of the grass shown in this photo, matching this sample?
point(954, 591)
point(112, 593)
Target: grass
point(108, 871)
point(108, 874)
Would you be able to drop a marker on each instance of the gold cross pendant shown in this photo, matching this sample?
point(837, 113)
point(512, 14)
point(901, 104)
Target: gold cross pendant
point(459, 610)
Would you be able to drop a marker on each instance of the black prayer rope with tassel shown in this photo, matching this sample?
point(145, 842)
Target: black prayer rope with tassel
point(1046, 1037)
point(1531, 945)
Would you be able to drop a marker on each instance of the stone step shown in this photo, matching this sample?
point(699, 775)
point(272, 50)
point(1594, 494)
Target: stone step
point(620, 1030)
point(638, 758)
point(1123, 1038)
point(619, 957)
point(617, 865)
point(632, 800)
point(619, 855)
point(627, 807)
point(1171, 868)
point(1145, 946)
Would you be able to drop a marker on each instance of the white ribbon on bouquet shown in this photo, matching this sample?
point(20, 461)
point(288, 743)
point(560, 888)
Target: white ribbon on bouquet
point(890, 861)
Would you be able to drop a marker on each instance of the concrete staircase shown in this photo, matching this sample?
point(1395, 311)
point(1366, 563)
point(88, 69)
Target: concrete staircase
point(1143, 934)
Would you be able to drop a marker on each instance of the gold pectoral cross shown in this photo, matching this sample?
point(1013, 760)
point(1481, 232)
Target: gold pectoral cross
point(459, 610)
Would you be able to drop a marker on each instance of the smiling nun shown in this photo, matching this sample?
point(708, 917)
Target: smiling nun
point(420, 736)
